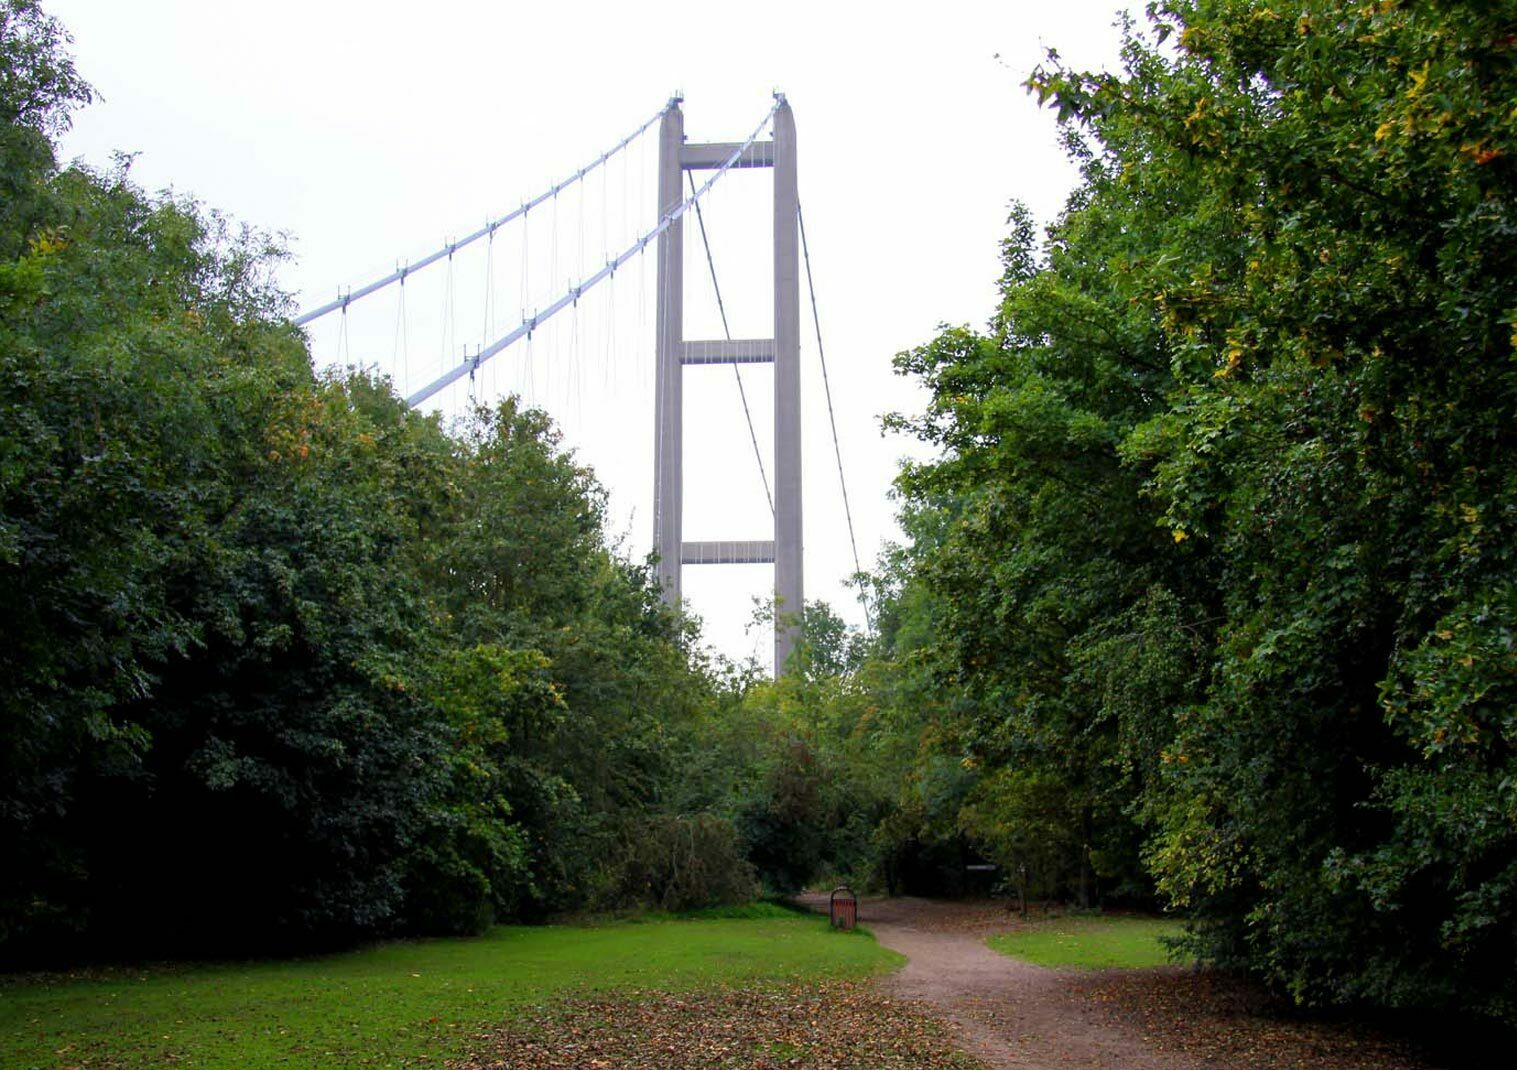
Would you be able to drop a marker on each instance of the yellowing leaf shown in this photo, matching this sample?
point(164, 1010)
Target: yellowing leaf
point(1419, 79)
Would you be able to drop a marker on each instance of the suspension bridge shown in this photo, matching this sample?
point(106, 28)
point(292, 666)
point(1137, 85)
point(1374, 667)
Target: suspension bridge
point(557, 260)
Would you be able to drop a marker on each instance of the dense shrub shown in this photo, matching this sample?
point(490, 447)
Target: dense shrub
point(683, 863)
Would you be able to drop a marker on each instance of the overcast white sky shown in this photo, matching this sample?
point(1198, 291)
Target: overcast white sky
point(371, 133)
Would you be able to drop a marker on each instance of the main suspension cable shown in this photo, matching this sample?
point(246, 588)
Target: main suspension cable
point(488, 229)
point(531, 323)
point(722, 308)
point(827, 386)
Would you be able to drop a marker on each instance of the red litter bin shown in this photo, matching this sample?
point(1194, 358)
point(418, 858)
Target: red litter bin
point(843, 908)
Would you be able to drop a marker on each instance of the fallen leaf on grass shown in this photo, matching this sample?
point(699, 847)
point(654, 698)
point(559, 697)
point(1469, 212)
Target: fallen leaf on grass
point(841, 1026)
point(1227, 1022)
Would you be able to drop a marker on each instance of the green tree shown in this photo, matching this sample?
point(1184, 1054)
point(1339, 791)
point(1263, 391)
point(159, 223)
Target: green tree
point(521, 564)
point(286, 662)
point(1217, 542)
point(1043, 540)
point(39, 89)
point(1320, 199)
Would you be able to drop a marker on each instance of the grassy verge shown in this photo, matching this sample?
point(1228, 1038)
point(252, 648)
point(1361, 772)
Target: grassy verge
point(400, 1004)
point(1090, 942)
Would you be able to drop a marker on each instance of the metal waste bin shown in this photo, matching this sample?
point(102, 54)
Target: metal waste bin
point(843, 908)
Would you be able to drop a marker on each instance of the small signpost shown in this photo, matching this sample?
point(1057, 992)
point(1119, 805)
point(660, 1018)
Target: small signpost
point(843, 908)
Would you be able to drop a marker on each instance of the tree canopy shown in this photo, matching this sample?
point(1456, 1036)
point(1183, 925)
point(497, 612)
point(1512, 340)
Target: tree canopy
point(285, 662)
point(1220, 548)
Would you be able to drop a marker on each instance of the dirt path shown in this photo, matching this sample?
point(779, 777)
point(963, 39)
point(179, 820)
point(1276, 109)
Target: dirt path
point(1007, 1013)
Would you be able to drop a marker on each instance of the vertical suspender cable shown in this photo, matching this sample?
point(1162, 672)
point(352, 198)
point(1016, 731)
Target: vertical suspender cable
point(827, 386)
point(402, 355)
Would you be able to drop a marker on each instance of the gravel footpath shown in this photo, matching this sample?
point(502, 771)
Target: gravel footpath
point(1010, 1014)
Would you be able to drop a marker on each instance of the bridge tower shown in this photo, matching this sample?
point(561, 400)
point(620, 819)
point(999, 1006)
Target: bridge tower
point(783, 350)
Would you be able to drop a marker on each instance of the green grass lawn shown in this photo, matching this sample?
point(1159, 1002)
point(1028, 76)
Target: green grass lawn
point(1091, 942)
point(406, 1003)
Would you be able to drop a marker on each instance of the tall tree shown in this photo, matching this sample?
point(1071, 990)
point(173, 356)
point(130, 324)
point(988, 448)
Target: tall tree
point(1251, 513)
